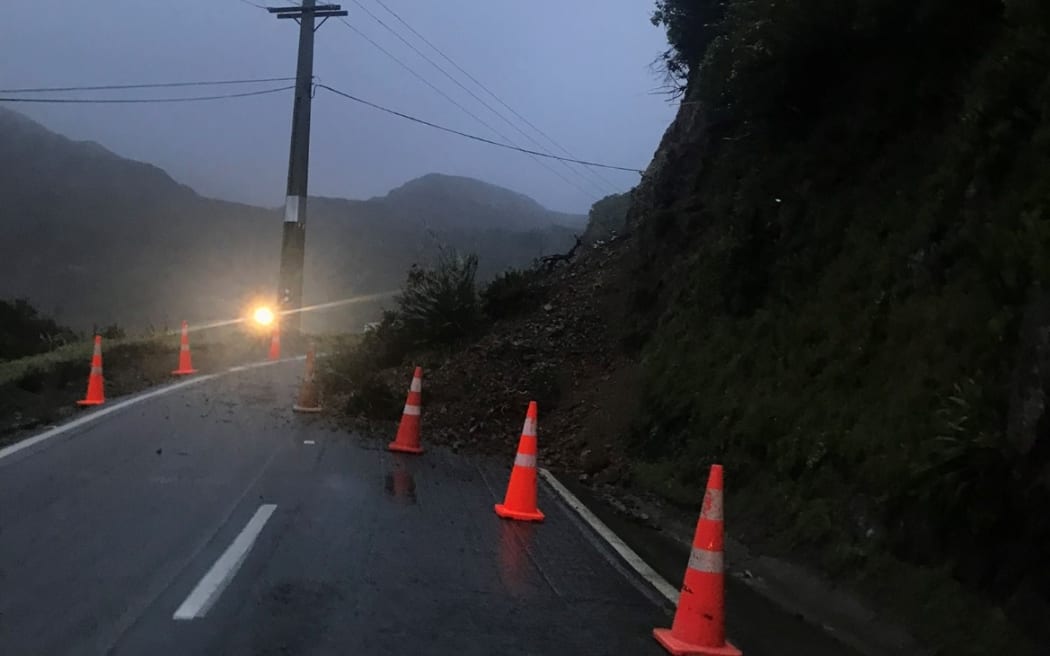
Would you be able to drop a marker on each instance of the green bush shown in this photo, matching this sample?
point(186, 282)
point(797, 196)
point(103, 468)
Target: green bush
point(352, 367)
point(691, 26)
point(113, 331)
point(437, 307)
point(24, 332)
point(439, 304)
point(374, 400)
point(510, 293)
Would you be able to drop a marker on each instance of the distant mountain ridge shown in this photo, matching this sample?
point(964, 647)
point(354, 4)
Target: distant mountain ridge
point(456, 201)
point(94, 238)
point(32, 154)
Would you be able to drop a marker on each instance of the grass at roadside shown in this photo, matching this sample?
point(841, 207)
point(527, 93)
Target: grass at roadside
point(14, 370)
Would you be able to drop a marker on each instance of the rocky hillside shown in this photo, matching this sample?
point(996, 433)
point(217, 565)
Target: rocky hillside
point(93, 238)
point(844, 244)
point(834, 282)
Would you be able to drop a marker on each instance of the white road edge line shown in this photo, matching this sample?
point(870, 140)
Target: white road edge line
point(116, 407)
point(222, 572)
point(618, 545)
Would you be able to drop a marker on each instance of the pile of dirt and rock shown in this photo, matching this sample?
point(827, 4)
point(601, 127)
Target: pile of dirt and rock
point(564, 352)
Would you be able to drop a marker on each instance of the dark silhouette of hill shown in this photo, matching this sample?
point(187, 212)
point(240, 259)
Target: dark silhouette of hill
point(94, 238)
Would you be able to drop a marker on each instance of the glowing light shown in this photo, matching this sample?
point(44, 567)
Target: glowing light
point(263, 316)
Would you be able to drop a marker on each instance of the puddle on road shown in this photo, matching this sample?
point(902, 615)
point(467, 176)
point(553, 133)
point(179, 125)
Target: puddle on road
point(514, 564)
point(401, 485)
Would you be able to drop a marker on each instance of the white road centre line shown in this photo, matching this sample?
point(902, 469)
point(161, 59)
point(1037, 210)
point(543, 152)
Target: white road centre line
point(127, 403)
point(309, 442)
point(618, 545)
point(222, 572)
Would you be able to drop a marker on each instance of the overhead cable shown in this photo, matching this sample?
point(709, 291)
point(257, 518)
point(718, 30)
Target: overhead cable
point(153, 85)
point(128, 101)
point(485, 88)
point(475, 137)
point(452, 100)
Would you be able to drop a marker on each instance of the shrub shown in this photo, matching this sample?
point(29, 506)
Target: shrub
point(352, 371)
point(509, 293)
point(113, 331)
point(439, 304)
point(691, 26)
point(373, 399)
point(23, 331)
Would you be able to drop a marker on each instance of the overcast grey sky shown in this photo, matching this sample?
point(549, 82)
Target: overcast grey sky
point(578, 69)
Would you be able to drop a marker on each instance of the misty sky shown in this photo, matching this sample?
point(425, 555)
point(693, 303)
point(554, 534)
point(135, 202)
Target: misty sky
point(578, 69)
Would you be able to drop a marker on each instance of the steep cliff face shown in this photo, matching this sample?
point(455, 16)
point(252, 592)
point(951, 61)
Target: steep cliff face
point(674, 166)
point(839, 264)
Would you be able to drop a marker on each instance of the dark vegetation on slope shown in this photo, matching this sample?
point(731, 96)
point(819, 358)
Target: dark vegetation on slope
point(24, 331)
point(847, 259)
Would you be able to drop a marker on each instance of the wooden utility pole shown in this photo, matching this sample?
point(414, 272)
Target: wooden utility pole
point(293, 241)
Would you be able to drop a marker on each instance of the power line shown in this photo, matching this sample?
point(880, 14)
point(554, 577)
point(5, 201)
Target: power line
point(144, 100)
point(471, 93)
point(449, 98)
point(266, 7)
point(486, 89)
point(474, 136)
point(452, 100)
point(410, 70)
point(159, 85)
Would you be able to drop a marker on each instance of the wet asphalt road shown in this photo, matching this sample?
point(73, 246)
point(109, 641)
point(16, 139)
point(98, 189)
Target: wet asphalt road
point(107, 529)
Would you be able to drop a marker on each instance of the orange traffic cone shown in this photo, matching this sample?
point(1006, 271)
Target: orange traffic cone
point(407, 440)
point(520, 502)
point(95, 393)
point(275, 345)
point(185, 361)
point(699, 622)
point(309, 399)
